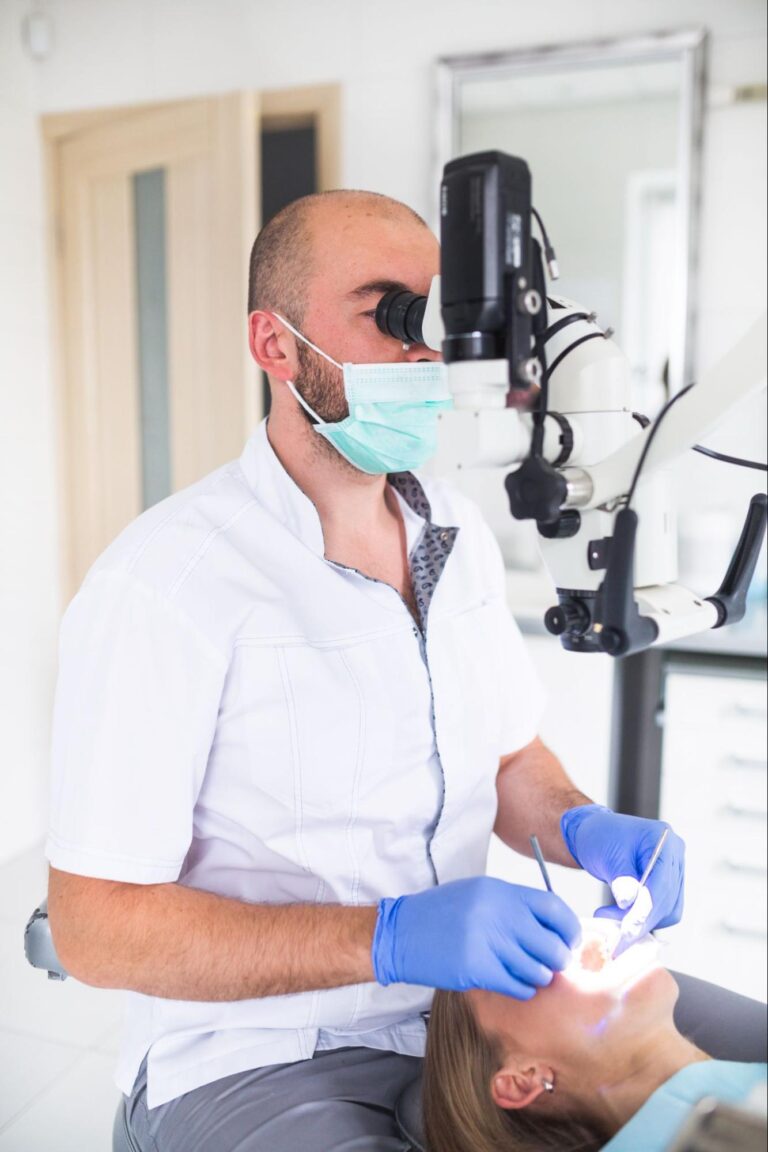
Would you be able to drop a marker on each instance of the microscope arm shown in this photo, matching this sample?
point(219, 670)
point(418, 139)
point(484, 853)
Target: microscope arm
point(629, 618)
point(733, 379)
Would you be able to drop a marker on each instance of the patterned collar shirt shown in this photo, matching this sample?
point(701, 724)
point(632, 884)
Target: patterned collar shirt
point(238, 714)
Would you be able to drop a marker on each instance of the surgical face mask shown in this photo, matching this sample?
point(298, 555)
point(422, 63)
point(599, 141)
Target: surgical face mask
point(393, 412)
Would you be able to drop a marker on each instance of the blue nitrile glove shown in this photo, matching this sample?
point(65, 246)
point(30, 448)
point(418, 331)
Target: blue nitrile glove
point(616, 849)
point(476, 933)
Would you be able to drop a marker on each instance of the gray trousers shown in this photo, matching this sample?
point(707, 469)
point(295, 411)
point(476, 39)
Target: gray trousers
point(340, 1101)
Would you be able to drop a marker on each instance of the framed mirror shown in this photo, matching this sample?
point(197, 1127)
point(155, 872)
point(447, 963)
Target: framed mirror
point(611, 131)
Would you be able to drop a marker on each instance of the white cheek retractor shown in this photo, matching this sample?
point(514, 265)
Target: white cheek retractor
point(592, 968)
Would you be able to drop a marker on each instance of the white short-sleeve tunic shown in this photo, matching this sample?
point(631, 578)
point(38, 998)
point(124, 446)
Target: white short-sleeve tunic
point(237, 714)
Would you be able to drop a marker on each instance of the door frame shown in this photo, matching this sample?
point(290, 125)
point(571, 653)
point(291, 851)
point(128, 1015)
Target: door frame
point(318, 105)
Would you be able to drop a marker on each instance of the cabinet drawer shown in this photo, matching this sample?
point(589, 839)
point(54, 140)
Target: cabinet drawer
point(703, 775)
point(716, 700)
point(718, 740)
point(719, 837)
point(727, 902)
point(703, 801)
point(713, 792)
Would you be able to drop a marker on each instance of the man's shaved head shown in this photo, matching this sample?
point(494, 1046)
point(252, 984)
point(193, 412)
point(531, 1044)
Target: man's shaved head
point(281, 263)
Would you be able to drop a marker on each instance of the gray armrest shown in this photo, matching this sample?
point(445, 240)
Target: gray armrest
point(726, 1025)
point(38, 944)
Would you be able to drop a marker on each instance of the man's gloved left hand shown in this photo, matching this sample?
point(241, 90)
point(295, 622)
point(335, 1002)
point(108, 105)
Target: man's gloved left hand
point(616, 849)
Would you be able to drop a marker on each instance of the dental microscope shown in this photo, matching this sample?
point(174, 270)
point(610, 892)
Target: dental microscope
point(540, 387)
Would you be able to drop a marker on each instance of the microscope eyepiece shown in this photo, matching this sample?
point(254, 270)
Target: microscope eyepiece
point(401, 314)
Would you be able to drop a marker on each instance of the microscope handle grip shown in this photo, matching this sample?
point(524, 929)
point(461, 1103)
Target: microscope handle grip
point(623, 629)
point(730, 600)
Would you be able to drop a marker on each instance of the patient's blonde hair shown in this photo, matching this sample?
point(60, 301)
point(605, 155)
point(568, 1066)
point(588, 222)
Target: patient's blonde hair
point(459, 1112)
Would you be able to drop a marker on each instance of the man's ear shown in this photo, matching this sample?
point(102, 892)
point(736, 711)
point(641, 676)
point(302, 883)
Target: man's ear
point(515, 1087)
point(272, 346)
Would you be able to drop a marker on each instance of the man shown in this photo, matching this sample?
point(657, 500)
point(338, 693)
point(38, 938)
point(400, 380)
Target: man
point(292, 706)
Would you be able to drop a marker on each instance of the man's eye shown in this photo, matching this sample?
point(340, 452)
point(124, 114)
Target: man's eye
point(370, 315)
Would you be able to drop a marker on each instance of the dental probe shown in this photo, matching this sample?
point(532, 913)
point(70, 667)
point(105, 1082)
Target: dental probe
point(541, 862)
point(625, 935)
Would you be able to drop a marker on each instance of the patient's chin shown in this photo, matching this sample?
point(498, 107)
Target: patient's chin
point(655, 987)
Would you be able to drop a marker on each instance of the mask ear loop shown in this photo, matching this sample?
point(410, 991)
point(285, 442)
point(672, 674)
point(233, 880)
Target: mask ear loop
point(303, 338)
point(310, 412)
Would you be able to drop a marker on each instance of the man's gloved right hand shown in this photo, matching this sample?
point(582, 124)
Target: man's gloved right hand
point(476, 933)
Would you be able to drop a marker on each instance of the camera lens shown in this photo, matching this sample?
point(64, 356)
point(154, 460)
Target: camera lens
point(401, 314)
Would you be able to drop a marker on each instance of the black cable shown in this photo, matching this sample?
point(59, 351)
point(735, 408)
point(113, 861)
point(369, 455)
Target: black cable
point(540, 412)
point(572, 347)
point(649, 439)
point(558, 325)
point(737, 460)
point(540, 348)
point(537, 443)
point(696, 447)
point(549, 253)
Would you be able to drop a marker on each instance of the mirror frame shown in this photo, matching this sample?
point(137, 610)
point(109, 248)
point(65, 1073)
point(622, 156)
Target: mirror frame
point(688, 48)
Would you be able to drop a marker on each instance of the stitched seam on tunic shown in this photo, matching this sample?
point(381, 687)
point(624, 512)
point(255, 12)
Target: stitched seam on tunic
point(103, 854)
point(352, 818)
point(298, 806)
point(206, 544)
point(359, 761)
point(178, 512)
point(168, 606)
point(295, 758)
point(298, 640)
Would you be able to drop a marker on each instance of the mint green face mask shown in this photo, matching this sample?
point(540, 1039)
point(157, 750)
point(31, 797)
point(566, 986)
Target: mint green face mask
point(393, 412)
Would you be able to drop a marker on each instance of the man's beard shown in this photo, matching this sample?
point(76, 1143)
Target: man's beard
point(322, 387)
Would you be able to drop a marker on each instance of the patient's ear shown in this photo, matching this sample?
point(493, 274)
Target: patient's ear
point(517, 1087)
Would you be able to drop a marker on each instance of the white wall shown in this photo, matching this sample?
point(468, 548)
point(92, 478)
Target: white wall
point(29, 596)
point(110, 52)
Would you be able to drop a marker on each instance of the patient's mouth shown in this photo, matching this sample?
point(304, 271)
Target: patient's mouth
point(594, 955)
point(592, 967)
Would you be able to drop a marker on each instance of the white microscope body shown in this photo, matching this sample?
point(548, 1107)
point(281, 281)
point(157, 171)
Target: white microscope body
point(589, 388)
point(539, 387)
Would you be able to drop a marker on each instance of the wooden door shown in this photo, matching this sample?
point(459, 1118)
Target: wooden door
point(156, 209)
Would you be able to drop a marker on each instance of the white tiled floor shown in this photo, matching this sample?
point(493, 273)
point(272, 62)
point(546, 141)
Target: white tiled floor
point(57, 1040)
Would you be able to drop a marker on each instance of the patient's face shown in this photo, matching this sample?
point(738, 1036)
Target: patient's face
point(595, 998)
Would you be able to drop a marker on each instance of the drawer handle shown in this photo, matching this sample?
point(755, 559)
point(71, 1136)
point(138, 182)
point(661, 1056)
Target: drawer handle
point(744, 868)
point(743, 812)
point(740, 763)
point(746, 711)
point(743, 931)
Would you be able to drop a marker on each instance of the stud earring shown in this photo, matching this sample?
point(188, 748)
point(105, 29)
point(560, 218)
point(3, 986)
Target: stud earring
point(548, 1085)
point(406, 347)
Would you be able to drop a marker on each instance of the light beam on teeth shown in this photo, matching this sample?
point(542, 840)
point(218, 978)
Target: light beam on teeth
point(591, 968)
